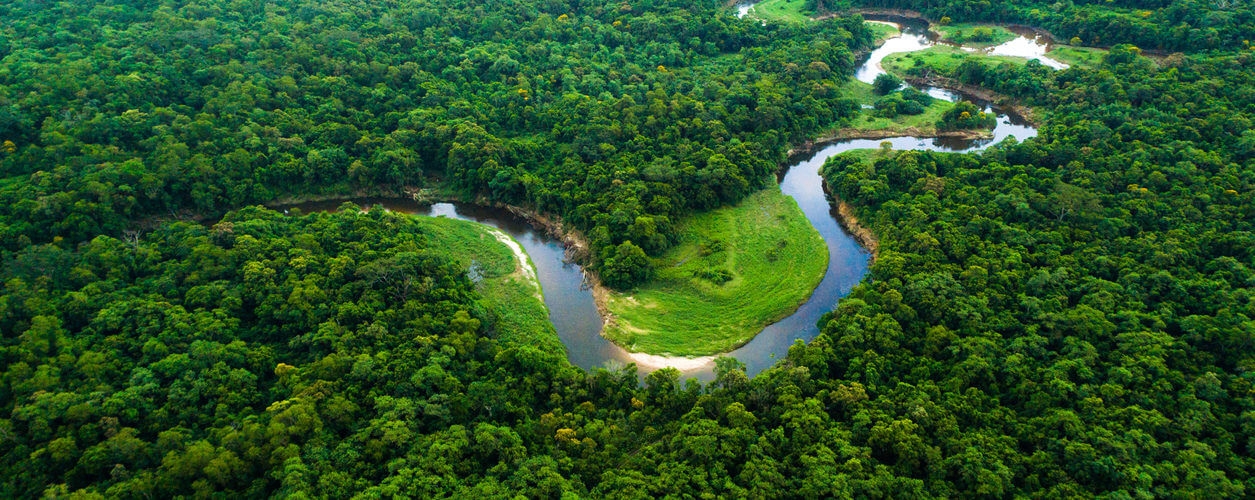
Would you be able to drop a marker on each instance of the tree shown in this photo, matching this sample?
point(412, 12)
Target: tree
point(626, 267)
point(886, 83)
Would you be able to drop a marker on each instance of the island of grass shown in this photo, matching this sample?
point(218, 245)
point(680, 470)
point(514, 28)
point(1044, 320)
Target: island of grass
point(504, 278)
point(883, 30)
point(1072, 55)
point(974, 35)
point(781, 10)
point(736, 270)
point(942, 59)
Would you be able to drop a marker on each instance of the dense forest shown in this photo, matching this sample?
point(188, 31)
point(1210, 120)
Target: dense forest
point(1068, 316)
point(620, 118)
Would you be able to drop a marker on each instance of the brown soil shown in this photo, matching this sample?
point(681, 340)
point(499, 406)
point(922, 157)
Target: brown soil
point(849, 221)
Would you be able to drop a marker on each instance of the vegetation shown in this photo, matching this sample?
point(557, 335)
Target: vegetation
point(1061, 253)
point(883, 31)
point(1160, 25)
point(797, 11)
point(942, 59)
point(965, 115)
point(1070, 316)
point(620, 119)
point(877, 121)
point(886, 83)
point(974, 35)
point(735, 271)
point(1084, 57)
point(510, 295)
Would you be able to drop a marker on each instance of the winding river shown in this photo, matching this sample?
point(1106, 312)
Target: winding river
point(570, 301)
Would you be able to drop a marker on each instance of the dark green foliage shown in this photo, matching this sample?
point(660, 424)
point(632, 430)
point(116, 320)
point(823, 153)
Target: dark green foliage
point(619, 118)
point(965, 115)
point(1156, 24)
point(1071, 316)
point(1087, 287)
point(626, 266)
point(886, 83)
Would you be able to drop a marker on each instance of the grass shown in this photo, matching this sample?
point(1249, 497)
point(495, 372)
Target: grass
point(770, 255)
point(1085, 57)
point(516, 313)
point(942, 58)
point(962, 33)
point(883, 31)
point(780, 10)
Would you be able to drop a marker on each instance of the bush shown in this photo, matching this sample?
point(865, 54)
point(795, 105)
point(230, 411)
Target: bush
point(965, 115)
point(626, 267)
point(716, 275)
point(886, 83)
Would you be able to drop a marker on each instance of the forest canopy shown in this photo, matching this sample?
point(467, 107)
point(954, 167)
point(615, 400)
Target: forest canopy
point(1067, 316)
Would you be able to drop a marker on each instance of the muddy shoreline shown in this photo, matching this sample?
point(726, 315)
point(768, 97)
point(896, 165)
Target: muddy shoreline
point(849, 221)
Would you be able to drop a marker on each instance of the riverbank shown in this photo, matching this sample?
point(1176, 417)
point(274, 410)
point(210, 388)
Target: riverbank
point(849, 221)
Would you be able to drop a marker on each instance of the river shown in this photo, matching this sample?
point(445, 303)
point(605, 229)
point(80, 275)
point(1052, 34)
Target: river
point(570, 301)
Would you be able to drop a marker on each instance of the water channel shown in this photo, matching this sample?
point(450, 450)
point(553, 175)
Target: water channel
point(570, 301)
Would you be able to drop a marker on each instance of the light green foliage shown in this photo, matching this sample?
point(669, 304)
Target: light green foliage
point(1083, 57)
point(883, 31)
point(736, 270)
point(516, 312)
point(781, 10)
point(943, 59)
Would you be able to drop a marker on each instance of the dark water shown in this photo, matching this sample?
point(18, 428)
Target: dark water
point(570, 302)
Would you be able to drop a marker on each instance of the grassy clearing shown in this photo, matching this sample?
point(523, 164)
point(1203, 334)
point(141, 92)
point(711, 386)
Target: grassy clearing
point(883, 31)
point(780, 10)
point(766, 254)
point(967, 34)
point(517, 315)
point(942, 58)
point(1084, 57)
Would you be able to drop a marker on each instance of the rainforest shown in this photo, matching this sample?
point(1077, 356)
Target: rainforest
point(652, 248)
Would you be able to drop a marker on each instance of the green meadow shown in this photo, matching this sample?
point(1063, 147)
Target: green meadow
point(736, 270)
point(780, 10)
point(883, 31)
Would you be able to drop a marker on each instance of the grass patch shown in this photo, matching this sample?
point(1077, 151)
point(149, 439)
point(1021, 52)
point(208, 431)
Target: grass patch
point(1084, 57)
point(515, 313)
point(883, 31)
point(780, 10)
point(736, 270)
point(943, 59)
point(975, 35)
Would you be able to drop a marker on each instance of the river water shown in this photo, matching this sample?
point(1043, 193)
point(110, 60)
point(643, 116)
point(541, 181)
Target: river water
point(570, 302)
